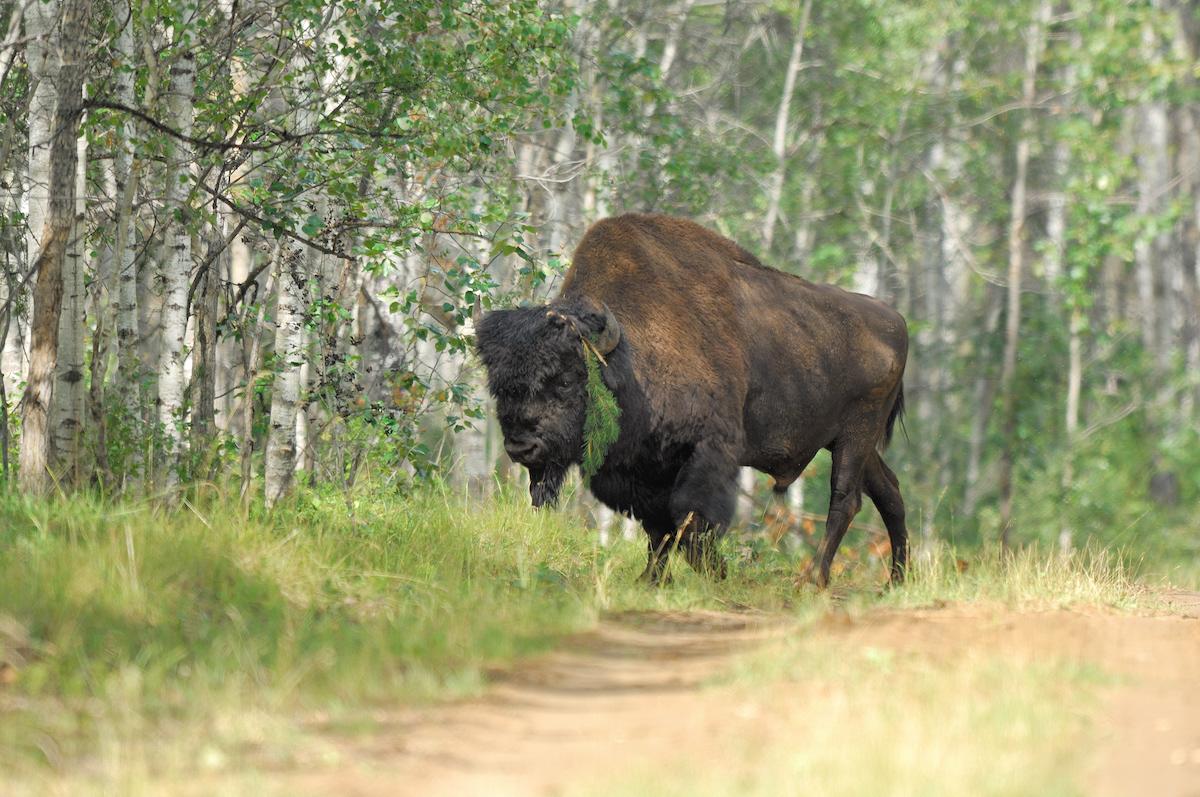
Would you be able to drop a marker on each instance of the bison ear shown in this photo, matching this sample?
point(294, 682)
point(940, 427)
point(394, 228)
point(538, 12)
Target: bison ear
point(609, 335)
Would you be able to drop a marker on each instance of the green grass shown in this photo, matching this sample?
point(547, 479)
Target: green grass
point(136, 639)
point(1029, 577)
point(116, 618)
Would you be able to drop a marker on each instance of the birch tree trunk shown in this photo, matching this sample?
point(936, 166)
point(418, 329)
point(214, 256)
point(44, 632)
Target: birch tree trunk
point(312, 356)
point(1153, 140)
point(205, 348)
point(1055, 266)
point(779, 140)
point(11, 266)
point(983, 399)
point(103, 304)
point(127, 172)
point(252, 343)
point(745, 496)
point(55, 235)
point(41, 55)
point(178, 267)
point(66, 416)
point(477, 457)
point(1034, 43)
point(285, 392)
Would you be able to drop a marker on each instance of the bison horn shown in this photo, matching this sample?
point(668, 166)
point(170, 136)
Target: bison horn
point(607, 337)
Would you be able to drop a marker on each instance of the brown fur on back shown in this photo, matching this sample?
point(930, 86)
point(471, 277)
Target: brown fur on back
point(716, 335)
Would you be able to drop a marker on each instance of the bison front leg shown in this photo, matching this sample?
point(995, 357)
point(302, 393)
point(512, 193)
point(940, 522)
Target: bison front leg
point(660, 541)
point(700, 550)
point(702, 504)
point(698, 543)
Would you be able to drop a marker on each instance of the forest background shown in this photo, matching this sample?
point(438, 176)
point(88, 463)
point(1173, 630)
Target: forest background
point(242, 243)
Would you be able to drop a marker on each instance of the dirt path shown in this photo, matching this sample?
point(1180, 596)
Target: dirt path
point(631, 689)
point(1148, 730)
point(634, 691)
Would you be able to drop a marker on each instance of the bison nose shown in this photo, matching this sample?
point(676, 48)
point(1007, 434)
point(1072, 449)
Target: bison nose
point(523, 451)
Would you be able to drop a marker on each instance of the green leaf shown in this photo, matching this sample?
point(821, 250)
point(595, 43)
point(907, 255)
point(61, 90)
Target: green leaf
point(601, 420)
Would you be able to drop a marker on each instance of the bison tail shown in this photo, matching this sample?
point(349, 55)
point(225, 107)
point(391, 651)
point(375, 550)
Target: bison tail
point(897, 414)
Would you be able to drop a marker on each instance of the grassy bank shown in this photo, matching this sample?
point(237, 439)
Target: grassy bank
point(117, 619)
point(135, 639)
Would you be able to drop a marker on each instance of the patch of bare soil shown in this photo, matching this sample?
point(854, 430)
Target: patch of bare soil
point(1149, 729)
point(634, 692)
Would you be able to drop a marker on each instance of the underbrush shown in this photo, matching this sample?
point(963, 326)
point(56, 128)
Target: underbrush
point(135, 639)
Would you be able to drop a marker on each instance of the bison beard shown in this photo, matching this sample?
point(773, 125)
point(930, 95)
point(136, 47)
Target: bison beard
point(716, 362)
point(546, 482)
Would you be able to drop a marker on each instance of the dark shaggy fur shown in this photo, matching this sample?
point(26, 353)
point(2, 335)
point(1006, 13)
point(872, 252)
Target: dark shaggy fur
point(718, 362)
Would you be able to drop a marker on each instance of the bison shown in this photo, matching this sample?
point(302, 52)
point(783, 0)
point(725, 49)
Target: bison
point(716, 361)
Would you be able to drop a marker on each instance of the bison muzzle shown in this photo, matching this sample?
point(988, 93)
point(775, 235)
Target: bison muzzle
point(716, 361)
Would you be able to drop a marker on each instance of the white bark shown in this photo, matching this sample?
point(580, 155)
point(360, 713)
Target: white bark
point(312, 355)
point(1074, 388)
point(671, 43)
point(285, 392)
point(561, 192)
point(745, 498)
point(41, 55)
point(1056, 232)
point(779, 139)
point(66, 417)
point(938, 291)
point(303, 444)
point(795, 498)
point(11, 359)
point(806, 228)
point(670, 46)
point(177, 270)
point(477, 457)
point(47, 295)
point(983, 397)
point(252, 343)
point(229, 349)
point(1034, 44)
point(1152, 152)
point(8, 47)
point(124, 248)
point(1153, 173)
point(471, 444)
point(604, 521)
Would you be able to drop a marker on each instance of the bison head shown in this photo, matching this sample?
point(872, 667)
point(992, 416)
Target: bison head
point(536, 372)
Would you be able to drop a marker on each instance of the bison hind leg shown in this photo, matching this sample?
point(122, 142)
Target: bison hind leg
point(846, 483)
point(884, 490)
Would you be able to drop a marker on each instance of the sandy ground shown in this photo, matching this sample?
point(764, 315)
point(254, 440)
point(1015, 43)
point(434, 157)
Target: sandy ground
point(638, 691)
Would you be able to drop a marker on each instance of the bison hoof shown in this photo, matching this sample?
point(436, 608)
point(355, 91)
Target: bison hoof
point(650, 578)
point(814, 577)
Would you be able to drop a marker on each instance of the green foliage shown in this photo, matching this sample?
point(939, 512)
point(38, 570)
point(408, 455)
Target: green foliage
point(601, 423)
